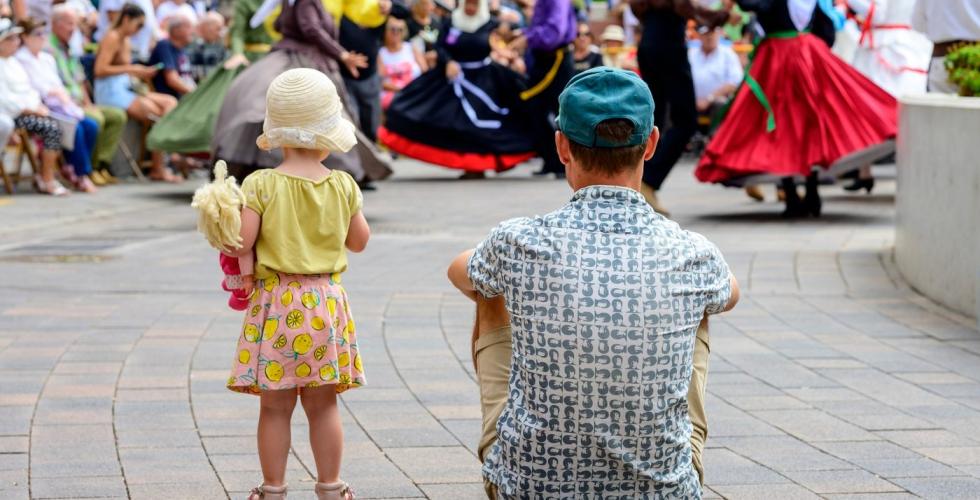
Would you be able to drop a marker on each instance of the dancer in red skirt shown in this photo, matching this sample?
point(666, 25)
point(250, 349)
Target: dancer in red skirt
point(800, 106)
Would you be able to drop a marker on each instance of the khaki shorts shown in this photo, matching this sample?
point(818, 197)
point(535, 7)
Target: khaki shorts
point(492, 352)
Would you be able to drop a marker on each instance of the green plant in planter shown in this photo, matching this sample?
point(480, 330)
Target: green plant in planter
point(963, 65)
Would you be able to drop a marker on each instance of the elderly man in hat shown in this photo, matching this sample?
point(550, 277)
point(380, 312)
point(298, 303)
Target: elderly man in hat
point(586, 388)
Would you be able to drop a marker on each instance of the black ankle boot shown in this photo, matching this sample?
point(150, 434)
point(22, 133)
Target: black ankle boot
point(794, 206)
point(812, 200)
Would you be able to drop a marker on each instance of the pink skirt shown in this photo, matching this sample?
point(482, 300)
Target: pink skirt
point(298, 332)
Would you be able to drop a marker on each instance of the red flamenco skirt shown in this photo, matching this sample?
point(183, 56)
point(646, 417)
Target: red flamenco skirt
point(824, 109)
point(471, 162)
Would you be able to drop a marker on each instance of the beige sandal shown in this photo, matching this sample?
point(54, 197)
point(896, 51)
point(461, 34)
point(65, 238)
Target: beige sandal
point(334, 491)
point(266, 492)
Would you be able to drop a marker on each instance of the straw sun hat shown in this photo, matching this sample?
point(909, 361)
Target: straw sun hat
point(303, 110)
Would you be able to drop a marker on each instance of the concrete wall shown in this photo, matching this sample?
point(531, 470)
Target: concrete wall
point(937, 243)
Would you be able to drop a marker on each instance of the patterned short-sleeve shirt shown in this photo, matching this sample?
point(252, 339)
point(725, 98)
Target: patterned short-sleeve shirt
point(605, 298)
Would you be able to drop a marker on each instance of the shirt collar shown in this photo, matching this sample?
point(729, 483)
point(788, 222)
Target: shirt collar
point(618, 194)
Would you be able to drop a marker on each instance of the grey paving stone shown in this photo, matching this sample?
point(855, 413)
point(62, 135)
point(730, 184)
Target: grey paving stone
point(158, 465)
point(78, 487)
point(207, 490)
point(961, 455)
point(229, 445)
point(13, 444)
point(463, 491)
point(749, 403)
point(842, 481)
point(157, 438)
point(918, 467)
point(781, 453)
point(467, 431)
point(872, 496)
point(239, 462)
point(450, 464)
point(728, 468)
point(860, 450)
point(69, 467)
point(813, 425)
point(13, 462)
point(756, 491)
point(925, 438)
point(942, 488)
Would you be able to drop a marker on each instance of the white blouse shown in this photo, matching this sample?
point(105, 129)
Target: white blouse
point(16, 93)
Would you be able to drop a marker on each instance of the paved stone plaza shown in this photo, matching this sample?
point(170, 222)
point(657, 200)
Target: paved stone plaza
point(830, 379)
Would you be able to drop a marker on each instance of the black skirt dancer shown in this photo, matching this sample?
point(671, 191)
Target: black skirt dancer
point(473, 123)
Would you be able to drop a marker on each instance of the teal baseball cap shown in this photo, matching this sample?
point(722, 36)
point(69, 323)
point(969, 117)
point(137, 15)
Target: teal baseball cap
point(601, 94)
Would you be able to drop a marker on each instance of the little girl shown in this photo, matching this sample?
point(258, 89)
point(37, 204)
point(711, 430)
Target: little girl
point(298, 338)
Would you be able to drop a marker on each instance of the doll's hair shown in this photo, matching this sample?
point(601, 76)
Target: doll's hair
point(219, 209)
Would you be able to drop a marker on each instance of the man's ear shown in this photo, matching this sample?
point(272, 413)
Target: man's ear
point(652, 144)
point(561, 144)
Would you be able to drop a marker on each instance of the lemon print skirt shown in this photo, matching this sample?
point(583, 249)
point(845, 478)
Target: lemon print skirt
point(298, 332)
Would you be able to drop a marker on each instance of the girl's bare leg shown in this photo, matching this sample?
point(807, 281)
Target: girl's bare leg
point(326, 431)
point(274, 434)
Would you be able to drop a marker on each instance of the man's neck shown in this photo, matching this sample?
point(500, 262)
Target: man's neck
point(627, 179)
point(708, 52)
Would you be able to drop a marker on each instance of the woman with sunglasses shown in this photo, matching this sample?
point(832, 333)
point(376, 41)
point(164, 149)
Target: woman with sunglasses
point(113, 69)
point(586, 54)
point(398, 62)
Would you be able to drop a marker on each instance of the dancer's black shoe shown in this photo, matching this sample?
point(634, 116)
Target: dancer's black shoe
point(866, 184)
point(795, 208)
point(812, 200)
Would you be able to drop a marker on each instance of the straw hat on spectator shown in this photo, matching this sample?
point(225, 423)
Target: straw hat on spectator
point(303, 111)
point(613, 33)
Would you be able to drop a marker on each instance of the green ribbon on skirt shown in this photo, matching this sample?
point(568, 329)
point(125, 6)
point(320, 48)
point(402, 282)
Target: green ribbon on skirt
point(754, 86)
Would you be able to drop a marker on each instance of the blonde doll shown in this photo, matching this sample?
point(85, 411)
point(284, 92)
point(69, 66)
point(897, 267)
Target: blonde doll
point(219, 206)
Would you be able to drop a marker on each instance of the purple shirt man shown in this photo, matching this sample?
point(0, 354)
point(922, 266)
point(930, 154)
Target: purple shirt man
point(553, 25)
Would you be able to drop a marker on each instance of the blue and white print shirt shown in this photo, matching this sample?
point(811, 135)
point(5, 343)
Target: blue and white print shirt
point(605, 297)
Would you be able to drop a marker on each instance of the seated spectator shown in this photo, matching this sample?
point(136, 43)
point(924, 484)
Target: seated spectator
point(141, 41)
point(423, 29)
point(174, 77)
point(399, 62)
point(21, 102)
point(715, 68)
point(586, 54)
point(64, 22)
point(113, 69)
point(172, 8)
point(43, 74)
point(208, 50)
point(87, 18)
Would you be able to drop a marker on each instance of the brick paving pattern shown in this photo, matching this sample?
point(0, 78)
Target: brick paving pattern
point(831, 379)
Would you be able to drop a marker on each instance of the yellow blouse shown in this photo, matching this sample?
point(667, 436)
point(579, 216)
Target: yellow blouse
point(304, 222)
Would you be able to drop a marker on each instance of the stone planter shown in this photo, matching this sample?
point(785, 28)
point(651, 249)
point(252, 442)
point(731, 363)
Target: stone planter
point(937, 242)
